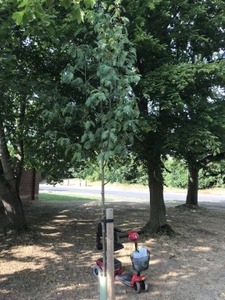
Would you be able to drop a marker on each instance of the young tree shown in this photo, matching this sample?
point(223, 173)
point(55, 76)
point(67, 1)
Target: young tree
point(93, 104)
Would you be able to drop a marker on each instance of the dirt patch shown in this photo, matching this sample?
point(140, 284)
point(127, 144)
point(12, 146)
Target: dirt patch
point(54, 259)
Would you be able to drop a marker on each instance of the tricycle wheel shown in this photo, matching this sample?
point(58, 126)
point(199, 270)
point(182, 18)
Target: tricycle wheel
point(96, 269)
point(144, 286)
point(137, 287)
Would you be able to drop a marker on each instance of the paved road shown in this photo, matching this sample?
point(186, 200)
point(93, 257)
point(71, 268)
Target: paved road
point(132, 195)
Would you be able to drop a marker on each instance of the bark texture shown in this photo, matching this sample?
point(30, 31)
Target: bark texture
point(157, 220)
point(192, 193)
point(9, 192)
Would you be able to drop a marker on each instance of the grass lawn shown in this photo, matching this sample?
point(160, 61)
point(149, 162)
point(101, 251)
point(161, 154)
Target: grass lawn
point(60, 197)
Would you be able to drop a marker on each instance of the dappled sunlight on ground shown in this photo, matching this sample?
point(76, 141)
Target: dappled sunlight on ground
point(54, 260)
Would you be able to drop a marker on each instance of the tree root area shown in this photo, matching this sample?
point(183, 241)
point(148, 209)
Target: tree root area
point(148, 231)
point(54, 259)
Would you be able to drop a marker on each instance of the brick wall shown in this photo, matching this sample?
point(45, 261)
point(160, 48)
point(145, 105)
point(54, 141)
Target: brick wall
point(29, 185)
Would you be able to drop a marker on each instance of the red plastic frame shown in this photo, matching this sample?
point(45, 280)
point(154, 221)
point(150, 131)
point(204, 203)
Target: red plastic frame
point(137, 278)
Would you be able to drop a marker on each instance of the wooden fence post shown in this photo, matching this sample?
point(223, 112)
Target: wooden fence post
point(110, 254)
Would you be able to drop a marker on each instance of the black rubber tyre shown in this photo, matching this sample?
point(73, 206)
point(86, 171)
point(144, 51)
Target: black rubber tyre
point(96, 269)
point(137, 287)
point(144, 286)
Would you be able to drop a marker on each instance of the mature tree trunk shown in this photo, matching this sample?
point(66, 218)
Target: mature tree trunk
point(192, 194)
point(157, 220)
point(12, 205)
point(9, 192)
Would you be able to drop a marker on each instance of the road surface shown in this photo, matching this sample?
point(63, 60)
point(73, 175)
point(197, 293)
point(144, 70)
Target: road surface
point(131, 195)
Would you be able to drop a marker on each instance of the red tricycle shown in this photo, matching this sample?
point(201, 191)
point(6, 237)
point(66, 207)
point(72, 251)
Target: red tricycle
point(140, 261)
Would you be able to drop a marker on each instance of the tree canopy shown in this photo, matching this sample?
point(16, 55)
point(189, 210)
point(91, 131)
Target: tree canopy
point(77, 74)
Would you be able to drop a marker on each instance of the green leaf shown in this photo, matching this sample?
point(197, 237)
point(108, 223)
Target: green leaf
point(24, 3)
point(105, 135)
point(84, 137)
point(78, 15)
point(18, 17)
point(65, 3)
point(113, 137)
point(89, 3)
point(87, 145)
point(88, 125)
